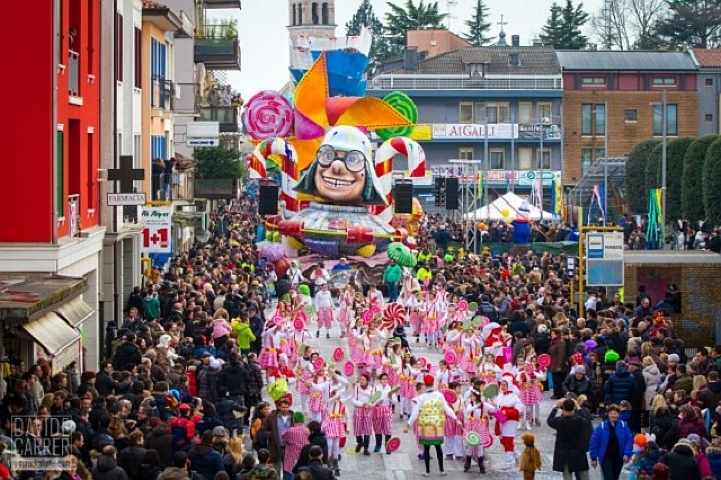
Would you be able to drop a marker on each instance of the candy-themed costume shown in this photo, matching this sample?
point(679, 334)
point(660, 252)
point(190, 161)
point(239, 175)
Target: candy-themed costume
point(453, 431)
point(362, 416)
point(376, 298)
point(357, 346)
point(318, 400)
point(476, 421)
point(408, 389)
point(509, 411)
point(345, 312)
point(323, 303)
point(376, 341)
point(307, 372)
point(429, 414)
point(382, 414)
point(334, 426)
point(271, 342)
point(471, 346)
point(531, 396)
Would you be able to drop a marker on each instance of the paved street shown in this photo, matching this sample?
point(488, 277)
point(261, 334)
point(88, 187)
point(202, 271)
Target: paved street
point(404, 464)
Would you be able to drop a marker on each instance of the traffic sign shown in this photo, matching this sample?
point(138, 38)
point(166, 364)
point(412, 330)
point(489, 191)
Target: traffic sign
point(604, 259)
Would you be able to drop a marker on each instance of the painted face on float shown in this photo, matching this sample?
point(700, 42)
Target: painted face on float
point(340, 176)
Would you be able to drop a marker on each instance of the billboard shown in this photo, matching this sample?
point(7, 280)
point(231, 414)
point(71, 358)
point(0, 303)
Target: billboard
point(156, 230)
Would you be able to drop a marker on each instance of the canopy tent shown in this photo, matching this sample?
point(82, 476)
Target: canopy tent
point(508, 207)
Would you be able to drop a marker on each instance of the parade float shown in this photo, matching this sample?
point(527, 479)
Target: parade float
point(335, 187)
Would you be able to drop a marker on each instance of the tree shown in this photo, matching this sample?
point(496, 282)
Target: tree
point(365, 17)
point(645, 15)
point(411, 17)
point(563, 27)
point(553, 29)
point(611, 27)
point(219, 162)
point(696, 23)
point(712, 183)
point(675, 151)
point(478, 28)
point(692, 205)
point(636, 191)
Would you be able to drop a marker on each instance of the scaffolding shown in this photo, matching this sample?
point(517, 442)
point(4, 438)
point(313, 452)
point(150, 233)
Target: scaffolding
point(609, 171)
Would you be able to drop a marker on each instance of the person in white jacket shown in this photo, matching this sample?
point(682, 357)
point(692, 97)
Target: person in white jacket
point(323, 304)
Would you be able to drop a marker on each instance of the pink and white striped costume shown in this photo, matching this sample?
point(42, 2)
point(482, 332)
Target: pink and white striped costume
point(382, 412)
point(363, 411)
point(323, 303)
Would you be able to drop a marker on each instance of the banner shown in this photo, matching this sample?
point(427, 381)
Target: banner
point(157, 229)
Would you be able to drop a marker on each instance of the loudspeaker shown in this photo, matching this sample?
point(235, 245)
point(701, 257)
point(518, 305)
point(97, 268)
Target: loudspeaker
point(439, 191)
point(403, 196)
point(452, 193)
point(268, 200)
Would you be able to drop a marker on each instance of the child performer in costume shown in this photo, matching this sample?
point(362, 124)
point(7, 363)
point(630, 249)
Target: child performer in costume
point(531, 395)
point(476, 421)
point(346, 312)
point(409, 372)
point(323, 303)
point(334, 427)
point(362, 414)
point(428, 412)
point(509, 410)
point(530, 458)
point(453, 434)
point(382, 412)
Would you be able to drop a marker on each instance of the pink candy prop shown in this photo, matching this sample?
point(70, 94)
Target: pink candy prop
point(393, 316)
point(338, 354)
point(298, 325)
point(268, 114)
point(367, 317)
point(462, 306)
point(544, 360)
point(348, 368)
point(486, 439)
point(450, 357)
point(318, 363)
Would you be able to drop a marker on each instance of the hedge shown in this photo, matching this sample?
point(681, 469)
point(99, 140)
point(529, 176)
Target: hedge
point(692, 205)
point(712, 183)
point(675, 151)
point(635, 181)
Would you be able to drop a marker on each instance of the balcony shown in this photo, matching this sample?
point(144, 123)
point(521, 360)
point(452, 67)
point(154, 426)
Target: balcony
point(391, 82)
point(219, 4)
point(163, 94)
point(217, 47)
point(73, 73)
point(187, 100)
point(227, 118)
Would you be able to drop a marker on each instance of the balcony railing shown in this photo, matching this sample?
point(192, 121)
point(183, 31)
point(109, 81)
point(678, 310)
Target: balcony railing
point(395, 83)
point(227, 118)
point(74, 73)
point(217, 47)
point(222, 4)
point(187, 100)
point(163, 93)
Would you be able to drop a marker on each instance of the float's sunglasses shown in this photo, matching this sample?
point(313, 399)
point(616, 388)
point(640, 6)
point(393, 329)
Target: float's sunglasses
point(354, 160)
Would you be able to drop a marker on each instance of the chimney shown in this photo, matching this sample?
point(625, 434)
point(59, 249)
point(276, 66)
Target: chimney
point(410, 59)
point(515, 40)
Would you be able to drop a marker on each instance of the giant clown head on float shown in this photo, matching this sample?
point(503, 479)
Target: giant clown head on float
point(342, 171)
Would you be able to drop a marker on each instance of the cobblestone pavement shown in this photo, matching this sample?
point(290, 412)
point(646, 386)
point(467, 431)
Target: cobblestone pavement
point(404, 464)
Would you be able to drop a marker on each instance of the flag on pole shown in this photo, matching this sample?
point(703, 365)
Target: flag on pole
point(557, 195)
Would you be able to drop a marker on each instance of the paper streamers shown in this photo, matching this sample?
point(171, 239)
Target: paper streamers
point(268, 114)
point(402, 104)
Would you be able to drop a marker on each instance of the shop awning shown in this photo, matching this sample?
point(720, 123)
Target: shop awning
point(52, 332)
point(75, 312)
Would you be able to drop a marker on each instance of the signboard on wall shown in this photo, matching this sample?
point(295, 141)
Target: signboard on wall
point(474, 131)
point(156, 230)
point(203, 134)
point(604, 259)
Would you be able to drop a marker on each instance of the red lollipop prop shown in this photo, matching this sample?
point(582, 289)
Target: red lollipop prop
point(393, 316)
point(393, 444)
point(348, 368)
point(338, 354)
point(367, 317)
point(544, 360)
point(298, 324)
point(462, 306)
point(318, 362)
point(422, 362)
point(450, 357)
point(450, 396)
point(486, 439)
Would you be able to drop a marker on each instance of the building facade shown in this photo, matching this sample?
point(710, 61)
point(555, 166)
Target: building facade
point(613, 100)
point(708, 61)
point(49, 187)
point(499, 105)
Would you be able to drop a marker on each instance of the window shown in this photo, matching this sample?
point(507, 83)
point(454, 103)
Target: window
point(586, 160)
point(74, 165)
point(630, 115)
point(157, 58)
point(525, 157)
point(92, 175)
point(300, 14)
point(314, 13)
point(593, 81)
point(118, 47)
point(325, 14)
point(91, 35)
point(544, 158)
point(708, 82)
point(525, 112)
point(61, 37)
point(599, 153)
point(465, 113)
point(498, 113)
point(664, 82)
point(294, 22)
point(138, 58)
point(465, 153)
point(137, 150)
point(59, 174)
point(497, 159)
point(593, 119)
point(709, 117)
point(159, 147)
point(671, 119)
point(544, 112)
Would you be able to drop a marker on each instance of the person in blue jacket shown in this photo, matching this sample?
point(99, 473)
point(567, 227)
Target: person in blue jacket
point(611, 444)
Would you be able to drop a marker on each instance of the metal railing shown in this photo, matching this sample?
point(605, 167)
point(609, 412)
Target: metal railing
point(73, 73)
point(227, 117)
point(163, 93)
point(188, 100)
point(394, 83)
point(74, 215)
point(217, 47)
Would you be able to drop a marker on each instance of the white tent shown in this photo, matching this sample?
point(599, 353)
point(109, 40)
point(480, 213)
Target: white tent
point(508, 207)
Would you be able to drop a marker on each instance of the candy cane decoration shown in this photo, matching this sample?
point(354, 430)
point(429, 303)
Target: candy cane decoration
point(288, 168)
point(384, 168)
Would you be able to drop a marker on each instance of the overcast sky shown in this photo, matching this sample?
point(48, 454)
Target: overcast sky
point(264, 38)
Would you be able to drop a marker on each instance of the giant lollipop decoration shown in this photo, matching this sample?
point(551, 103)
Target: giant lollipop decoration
point(268, 114)
point(393, 316)
point(402, 104)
